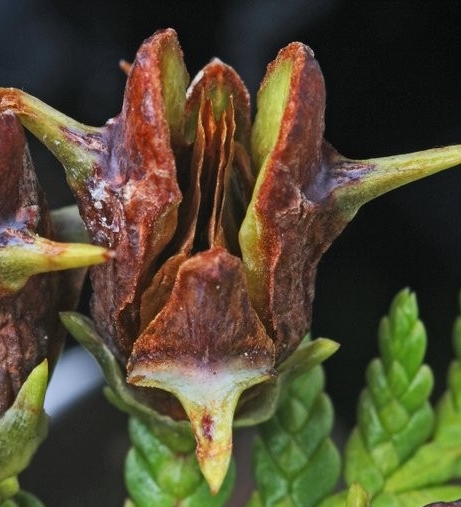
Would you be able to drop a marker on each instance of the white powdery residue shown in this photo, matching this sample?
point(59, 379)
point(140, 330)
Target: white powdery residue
point(98, 193)
point(100, 196)
point(109, 225)
point(147, 107)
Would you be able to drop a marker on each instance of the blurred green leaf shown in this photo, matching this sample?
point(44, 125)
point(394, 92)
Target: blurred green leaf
point(22, 499)
point(24, 425)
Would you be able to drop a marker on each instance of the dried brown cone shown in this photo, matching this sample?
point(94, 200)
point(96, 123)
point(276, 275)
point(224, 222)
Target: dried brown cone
point(218, 226)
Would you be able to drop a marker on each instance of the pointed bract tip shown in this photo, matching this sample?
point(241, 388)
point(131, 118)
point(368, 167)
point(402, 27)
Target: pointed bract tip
point(32, 393)
point(212, 426)
point(364, 180)
point(125, 66)
point(34, 255)
point(214, 464)
point(74, 144)
point(209, 394)
point(24, 424)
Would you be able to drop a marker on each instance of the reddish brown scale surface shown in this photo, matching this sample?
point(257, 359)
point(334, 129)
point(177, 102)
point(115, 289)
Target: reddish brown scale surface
point(29, 323)
point(169, 184)
point(208, 317)
point(136, 211)
point(283, 293)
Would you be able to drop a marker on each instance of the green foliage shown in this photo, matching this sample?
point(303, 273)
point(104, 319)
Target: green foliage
point(296, 463)
point(394, 414)
point(22, 428)
point(357, 496)
point(403, 452)
point(8, 488)
point(158, 475)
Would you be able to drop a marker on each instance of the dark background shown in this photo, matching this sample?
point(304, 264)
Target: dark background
point(393, 79)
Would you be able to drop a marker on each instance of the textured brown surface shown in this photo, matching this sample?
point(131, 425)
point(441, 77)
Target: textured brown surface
point(297, 222)
point(208, 318)
point(29, 322)
point(140, 186)
point(132, 198)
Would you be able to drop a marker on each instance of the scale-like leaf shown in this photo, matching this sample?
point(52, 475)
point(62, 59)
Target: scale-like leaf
point(394, 415)
point(296, 463)
point(395, 452)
